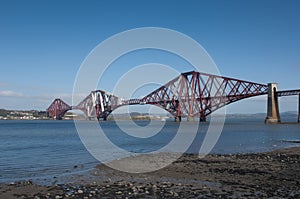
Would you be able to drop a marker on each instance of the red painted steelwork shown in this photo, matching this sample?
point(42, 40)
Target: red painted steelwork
point(195, 94)
point(58, 108)
point(288, 93)
point(192, 94)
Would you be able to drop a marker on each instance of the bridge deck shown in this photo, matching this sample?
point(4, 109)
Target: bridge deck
point(288, 93)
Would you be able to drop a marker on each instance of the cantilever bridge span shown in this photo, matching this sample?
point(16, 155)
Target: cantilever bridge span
point(191, 95)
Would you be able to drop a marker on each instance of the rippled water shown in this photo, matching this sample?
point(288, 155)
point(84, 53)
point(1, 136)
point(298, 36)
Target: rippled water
point(44, 149)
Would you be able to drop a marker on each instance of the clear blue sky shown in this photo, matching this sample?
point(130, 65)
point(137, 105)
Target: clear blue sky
point(43, 43)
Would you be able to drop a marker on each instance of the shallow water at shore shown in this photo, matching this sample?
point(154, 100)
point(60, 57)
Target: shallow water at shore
point(260, 175)
point(47, 150)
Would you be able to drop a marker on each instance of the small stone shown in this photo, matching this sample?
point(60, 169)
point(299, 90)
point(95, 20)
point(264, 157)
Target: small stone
point(80, 191)
point(119, 192)
point(93, 192)
point(134, 189)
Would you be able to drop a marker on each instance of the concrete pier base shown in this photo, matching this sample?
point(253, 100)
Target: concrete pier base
point(273, 116)
point(178, 119)
point(202, 119)
point(299, 109)
point(190, 119)
point(57, 118)
point(272, 121)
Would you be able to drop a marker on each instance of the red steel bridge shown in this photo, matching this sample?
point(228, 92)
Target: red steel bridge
point(191, 95)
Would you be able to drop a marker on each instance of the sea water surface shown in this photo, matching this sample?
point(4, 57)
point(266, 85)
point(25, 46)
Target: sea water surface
point(31, 150)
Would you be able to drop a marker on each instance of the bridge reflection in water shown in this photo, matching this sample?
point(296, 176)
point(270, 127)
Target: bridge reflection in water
point(190, 95)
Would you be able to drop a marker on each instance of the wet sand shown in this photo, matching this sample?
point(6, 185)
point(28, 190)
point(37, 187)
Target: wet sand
point(262, 175)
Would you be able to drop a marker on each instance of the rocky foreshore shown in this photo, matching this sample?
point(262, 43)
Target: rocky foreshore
point(264, 175)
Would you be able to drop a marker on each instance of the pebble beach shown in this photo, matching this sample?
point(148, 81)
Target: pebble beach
point(273, 174)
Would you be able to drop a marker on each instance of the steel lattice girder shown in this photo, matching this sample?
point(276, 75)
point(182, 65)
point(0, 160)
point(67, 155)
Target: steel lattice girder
point(58, 108)
point(99, 104)
point(288, 93)
point(191, 94)
point(198, 94)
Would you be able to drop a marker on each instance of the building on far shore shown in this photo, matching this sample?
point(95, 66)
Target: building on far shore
point(22, 115)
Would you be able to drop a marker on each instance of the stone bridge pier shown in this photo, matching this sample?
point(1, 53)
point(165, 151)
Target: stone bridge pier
point(273, 116)
point(298, 108)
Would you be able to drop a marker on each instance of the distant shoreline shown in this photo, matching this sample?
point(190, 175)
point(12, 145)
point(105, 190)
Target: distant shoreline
point(42, 115)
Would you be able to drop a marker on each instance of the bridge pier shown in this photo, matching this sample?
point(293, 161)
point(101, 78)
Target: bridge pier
point(299, 108)
point(190, 119)
point(105, 118)
point(57, 118)
point(273, 116)
point(178, 119)
point(202, 118)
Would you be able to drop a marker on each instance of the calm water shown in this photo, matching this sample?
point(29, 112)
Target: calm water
point(47, 149)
